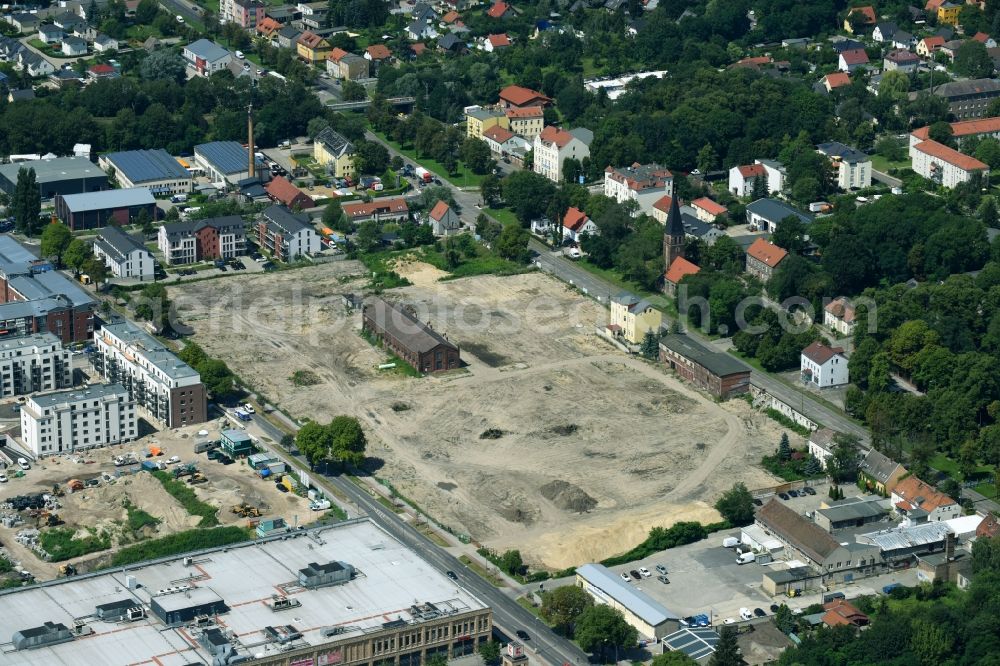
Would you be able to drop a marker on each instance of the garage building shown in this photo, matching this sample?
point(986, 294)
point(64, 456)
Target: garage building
point(648, 616)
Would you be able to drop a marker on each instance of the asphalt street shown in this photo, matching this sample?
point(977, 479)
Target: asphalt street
point(507, 614)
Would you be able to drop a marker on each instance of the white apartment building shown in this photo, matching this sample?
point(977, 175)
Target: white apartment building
point(202, 240)
point(943, 165)
point(287, 235)
point(824, 366)
point(853, 167)
point(75, 420)
point(124, 256)
point(34, 363)
point(552, 146)
point(159, 382)
point(643, 183)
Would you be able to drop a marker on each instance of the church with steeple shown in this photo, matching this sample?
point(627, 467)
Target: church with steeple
point(675, 266)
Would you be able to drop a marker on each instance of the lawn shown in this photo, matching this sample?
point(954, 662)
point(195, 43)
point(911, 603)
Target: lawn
point(481, 571)
point(616, 279)
point(502, 215)
point(484, 263)
point(880, 163)
point(464, 177)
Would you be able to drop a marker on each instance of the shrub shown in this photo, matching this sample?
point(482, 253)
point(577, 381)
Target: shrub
point(186, 496)
point(180, 542)
point(60, 544)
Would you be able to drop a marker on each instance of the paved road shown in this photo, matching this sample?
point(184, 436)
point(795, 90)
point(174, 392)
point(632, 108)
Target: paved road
point(507, 614)
point(190, 11)
point(886, 178)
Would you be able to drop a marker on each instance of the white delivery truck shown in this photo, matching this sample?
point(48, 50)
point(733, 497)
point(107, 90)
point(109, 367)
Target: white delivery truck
point(730, 542)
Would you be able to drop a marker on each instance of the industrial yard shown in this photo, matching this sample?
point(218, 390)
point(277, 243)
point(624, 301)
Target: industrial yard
point(91, 497)
point(549, 440)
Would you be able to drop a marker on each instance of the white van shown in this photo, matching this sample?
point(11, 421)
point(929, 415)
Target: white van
point(746, 558)
point(730, 542)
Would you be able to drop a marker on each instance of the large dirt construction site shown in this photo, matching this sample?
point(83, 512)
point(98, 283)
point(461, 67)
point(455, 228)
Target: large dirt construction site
point(550, 441)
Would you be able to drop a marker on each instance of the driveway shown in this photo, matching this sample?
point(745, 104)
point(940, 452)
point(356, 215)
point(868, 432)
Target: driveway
point(55, 62)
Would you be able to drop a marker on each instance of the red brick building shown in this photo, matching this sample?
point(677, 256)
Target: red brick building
point(719, 374)
point(409, 338)
point(284, 192)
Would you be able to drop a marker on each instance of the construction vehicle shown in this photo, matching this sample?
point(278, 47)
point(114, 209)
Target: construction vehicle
point(246, 510)
point(184, 470)
point(67, 570)
point(197, 477)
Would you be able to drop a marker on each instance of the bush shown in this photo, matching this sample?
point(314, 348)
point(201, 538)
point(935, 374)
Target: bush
point(180, 542)
point(678, 534)
point(186, 496)
point(60, 544)
point(137, 518)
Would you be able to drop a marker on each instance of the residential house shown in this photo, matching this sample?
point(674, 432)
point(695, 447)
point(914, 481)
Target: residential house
point(766, 214)
point(444, 220)
point(334, 151)
point(267, 27)
point(102, 72)
point(244, 13)
point(928, 45)
point(919, 502)
point(451, 43)
point(948, 13)
point(763, 257)
point(823, 365)
point(944, 165)
point(903, 40)
point(24, 22)
point(311, 47)
point(553, 146)
point(202, 240)
point(878, 473)
point(34, 64)
point(821, 444)
point(74, 46)
point(576, 224)
point(836, 80)
point(287, 37)
point(124, 255)
point(901, 60)
point(860, 16)
point(645, 184)
point(839, 315)
point(950, 48)
point(707, 210)
point(842, 613)
point(378, 54)
point(479, 119)
point(520, 98)
point(716, 372)
point(206, 57)
point(85, 31)
point(500, 10)
point(312, 15)
point(985, 40)
point(632, 318)
point(284, 192)
point(742, 178)
point(288, 236)
point(884, 31)
point(418, 30)
point(963, 130)
point(105, 44)
point(526, 122)
point(346, 66)
point(493, 43)
point(850, 61)
point(67, 76)
point(384, 210)
point(853, 167)
point(496, 137)
point(68, 21)
point(50, 34)
point(966, 99)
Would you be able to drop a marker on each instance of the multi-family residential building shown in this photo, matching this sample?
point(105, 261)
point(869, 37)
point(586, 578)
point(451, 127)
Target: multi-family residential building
point(763, 258)
point(34, 363)
point(479, 119)
point(742, 178)
point(962, 130)
point(346, 66)
point(153, 169)
point(244, 13)
point(77, 420)
point(35, 299)
point(643, 183)
point(553, 146)
point(167, 388)
point(839, 315)
point(919, 502)
point(944, 165)
point(381, 210)
point(124, 255)
point(853, 167)
point(823, 365)
point(312, 47)
point(966, 99)
point(287, 235)
point(333, 150)
point(632, 318)
point(707, 210)
point(206, 57)
point(201, 240)
point(526, 122)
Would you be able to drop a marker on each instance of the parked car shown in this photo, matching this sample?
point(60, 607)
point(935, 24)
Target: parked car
point(625, 577)
point(644, 572)
point(661, 569)
point(248, 408)
point(523, 635)
point(784, 496)
point(774, 608)
point(663, 579)
point(808, 491)
point(746, 614)
point(635, 574)
point(173, 460)
point(759, 612)
point(757, 502)
point(3, 478)
point(23, 464)
point(793, 493)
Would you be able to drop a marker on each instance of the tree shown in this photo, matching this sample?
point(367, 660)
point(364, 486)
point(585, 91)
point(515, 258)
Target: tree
point(217, 378)
point(707, 158)
point(510, 562)
point(55, 240)
point(888, 147)
point(513, 243)
point(650, 345)
point(988, 151)
point(146, 12)
point(490, 652)
point(352, 91)
point(673, 659)
point(163, 65)
point(490, 189)
point(973, 60)
point(736, 505)
point(842, 465)
point(784, 447)
point(790, 234)
point(76, 254)
point(333, 216)
point(96, 269)
point(812, 467)
point(942, 132)
point(563, 606)
point(601, 628)
point(26, 203)
point(727, 651)
point(528, 194)
point(370, 157)
point(784, 619)
point(192, 354)
point(758, 189)
point(145, 221)
point(347, 441)
point(313, 440)
point(477, 156)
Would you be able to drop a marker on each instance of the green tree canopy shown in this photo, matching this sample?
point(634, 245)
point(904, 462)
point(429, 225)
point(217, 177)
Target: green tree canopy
point(563, 606)
point(736, 505)
point(601, 628)
point(56, 238)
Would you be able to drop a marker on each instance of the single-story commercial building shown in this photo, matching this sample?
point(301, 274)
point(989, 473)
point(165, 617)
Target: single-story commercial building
point(791, 582)
point(155, 169)
point(93, 210)
point(852, 512)
point(62, 175)
point(225, 161)
point(412, 340)
point(719, 374)
point(236, 443)
point(648, 616)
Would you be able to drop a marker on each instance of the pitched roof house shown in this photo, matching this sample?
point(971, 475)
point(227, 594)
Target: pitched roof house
point(521, 97)
point(500, 9)
point(576, 223)
point(823, 365)
point(849, 61)
point(763, 258)
point(879, 473)
point(841, 612)
point(838, 315)
point(444, 221)
point(282, 191)
point(919, 502)
point(836, 80)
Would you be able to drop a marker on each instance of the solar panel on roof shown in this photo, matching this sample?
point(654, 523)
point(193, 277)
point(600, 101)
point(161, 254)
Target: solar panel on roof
point(143, 166)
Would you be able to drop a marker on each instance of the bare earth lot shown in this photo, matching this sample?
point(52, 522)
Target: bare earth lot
point(585, 448)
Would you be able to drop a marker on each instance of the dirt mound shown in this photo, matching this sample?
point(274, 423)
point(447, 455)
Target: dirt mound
point(567, 497)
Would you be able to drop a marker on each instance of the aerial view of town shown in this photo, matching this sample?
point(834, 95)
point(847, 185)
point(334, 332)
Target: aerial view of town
point(499, 332)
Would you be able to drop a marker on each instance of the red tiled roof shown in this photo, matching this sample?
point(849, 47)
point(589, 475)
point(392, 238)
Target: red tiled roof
point(379, 52)
point(838, 79)
point(752, 170)
point(451, 17)
point(267, 26)
point(440, 209)
point(336, 54)
point(526, 112)
point(499, 40)
point(362, 209)
point(964, 128)
point(950, 155)
point(663, 204)
point(989, 527)
point(498, 134)
point(574, 219)
point(310, 40)
point(679, 269)
point(418, 48)
point(498, 9)
point(980, 37)
point(868, 11)
point(902, 56)
point(918, 493)
point(819, 353)
point(552, 134)
point(766, 252)
point(285, 192)
point(842, 612)
point(709, 206)
point(932, 5)
point(933, 43)
point(855, 57)
point(520, 96)
point(841, 308)
point(101, 69)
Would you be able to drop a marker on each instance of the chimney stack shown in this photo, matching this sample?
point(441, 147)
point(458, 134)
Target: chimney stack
point(250, 146)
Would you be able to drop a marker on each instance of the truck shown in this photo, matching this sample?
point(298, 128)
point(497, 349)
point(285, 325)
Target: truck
point(887, 589)
point(320, 505)
point(730, 542)
point(746, 558)
point(150, 465)
point(424, 175)
point(208, 445)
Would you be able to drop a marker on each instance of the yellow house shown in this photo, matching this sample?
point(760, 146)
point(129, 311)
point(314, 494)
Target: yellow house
point(631, 318)
point(312, 48)
point(478, 120)
point(330, 148)
point(948, 13)
point(860, 16)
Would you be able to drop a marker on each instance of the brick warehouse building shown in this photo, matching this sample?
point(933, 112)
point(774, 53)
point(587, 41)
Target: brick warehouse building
point(410, 339)
point(718, 373)
point(93, 210)
point(36, 299)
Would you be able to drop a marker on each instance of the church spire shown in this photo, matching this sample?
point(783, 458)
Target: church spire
point(674, 225)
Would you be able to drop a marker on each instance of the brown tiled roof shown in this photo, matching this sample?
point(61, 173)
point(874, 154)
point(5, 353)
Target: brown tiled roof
point(709, 206)
point(934, 42)
point(440, 210)
point(498, 134)
point(310, 40)
point(336, 54)
point(792, 528)
point(766, 252)
point(820, 353)
point(499, 40)
point(574, 219)
point(842, 612)
point(855, 57)
point(663, 204)
point(838, 79)
point(552, 134)
point(362, 209)
point(451, 17)
point(751, 170)
point(950, 155)
point(679, 269)
point(920, 494)
point(521, 96)
point(526, 112)
point(867, 11)
point(842, 309)
point(498, 9)
point(989, 527)
point(280, 189)
point(379, 52)
point(267, 26)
